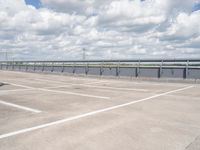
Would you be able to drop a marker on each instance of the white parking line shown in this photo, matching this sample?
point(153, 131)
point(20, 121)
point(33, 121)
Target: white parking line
point(136, 81)
point(59, 82)
point(96, 82)
point(20, 107)
point(93, 86)
point(83, 79)
point(63, 92)
point(87, 114)
point(103, 87)
point(16, 90)
point(19, 85)
point(73, 93)
point(143, 82)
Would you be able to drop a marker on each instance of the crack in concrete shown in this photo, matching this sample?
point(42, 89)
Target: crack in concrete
point(194, 145)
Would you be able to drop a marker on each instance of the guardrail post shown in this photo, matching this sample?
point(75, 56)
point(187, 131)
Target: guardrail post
point(20, 66)
point(43, 67)
point(118, 69)
point(34, 67)
point(138, 69)
point(86, 69)
point(62, 67)
point(52, 67)
point(26, 66)
point(101, 69)
point(160, 70)
point(13, 65)
point(6, 65)
point(186, 70)
point(74, 69)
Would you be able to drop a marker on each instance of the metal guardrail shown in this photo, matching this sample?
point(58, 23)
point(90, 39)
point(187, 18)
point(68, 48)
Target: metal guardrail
point(157, 68)
point(121, 60)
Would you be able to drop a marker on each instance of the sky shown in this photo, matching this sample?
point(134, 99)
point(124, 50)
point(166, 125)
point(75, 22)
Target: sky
point(106, 29)
point(35, 3)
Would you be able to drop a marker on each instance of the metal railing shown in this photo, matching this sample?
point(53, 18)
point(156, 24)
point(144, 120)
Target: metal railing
point(157, 68)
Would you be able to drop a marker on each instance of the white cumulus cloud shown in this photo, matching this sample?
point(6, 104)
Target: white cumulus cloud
point(107, 29)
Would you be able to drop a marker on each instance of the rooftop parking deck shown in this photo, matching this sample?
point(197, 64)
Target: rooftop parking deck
point(49, 112)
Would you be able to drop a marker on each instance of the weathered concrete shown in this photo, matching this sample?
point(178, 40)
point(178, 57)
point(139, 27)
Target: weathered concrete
point(122, 114)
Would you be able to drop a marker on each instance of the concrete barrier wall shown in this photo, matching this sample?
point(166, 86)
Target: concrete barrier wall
point(137, 71)
point(94, 71)
point(68, 70)
point(193, 73)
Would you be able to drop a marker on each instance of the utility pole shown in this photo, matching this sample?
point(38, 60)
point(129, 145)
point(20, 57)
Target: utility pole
point(5, 54)
point(84, 56)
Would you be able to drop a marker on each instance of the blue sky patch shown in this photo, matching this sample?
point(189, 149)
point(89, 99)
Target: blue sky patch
point(196, 7)
point(35, 3)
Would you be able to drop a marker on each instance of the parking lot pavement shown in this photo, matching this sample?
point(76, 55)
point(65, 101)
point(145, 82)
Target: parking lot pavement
point(43, 111)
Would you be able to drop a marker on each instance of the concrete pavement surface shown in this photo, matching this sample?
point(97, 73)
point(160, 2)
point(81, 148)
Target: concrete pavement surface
point(48, 112)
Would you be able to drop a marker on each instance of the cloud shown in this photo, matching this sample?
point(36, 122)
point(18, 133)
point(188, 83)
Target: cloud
point(68, 6)
point(186, 26)
point(131, 16)
point(107, 29)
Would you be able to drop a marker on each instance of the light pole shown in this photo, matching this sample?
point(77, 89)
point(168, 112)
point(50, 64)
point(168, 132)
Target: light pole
point(84, 56)
point(5, 54)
